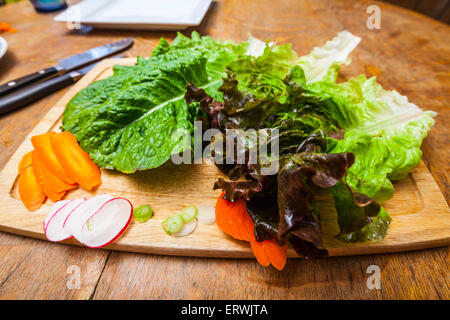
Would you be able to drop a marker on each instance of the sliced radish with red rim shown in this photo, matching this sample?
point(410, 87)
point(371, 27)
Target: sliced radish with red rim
point(53, 229)
point(106, 224)
point(56, 206)
point(95, 222)
point(78, 217)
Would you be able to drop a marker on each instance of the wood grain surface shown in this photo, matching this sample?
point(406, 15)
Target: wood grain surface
point(438, 9)
point(420, 215)
point(409, 53)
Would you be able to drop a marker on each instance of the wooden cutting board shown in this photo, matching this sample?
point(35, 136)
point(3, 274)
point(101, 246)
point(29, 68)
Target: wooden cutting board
point(420, 215)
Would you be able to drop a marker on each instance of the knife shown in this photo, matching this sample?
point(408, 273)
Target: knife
point(31, 93)
point(68, 64)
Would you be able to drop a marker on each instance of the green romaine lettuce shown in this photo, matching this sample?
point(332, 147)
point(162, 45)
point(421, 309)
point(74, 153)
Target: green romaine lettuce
point(322, 64)
point(384, 131)
point(126, 122)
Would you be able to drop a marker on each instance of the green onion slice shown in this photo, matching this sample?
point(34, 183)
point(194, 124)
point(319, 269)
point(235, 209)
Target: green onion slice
point(142, 213)
point(189, 213)
point(172, 224)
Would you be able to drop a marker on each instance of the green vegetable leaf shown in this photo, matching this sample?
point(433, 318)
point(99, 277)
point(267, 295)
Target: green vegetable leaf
point(127, 121)
point(322, 64)
point(384, 131)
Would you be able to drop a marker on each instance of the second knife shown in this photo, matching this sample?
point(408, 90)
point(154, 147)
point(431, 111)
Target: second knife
point(67, 65)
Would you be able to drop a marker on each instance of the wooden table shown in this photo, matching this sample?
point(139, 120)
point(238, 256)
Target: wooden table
point(410, 53)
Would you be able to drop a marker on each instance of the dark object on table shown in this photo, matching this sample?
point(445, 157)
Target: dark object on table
point(67, 64)
point(45, 6)
point(32, 93)
point(27, 95)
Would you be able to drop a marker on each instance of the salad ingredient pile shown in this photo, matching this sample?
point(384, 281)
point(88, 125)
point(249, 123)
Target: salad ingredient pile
point(351, 139)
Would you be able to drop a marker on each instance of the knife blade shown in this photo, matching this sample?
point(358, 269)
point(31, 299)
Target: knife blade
point(68, 64)
point(20, 98)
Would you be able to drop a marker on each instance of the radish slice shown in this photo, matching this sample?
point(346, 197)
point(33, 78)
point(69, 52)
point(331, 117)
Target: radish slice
point(186, 229)
point(78, 217)
point(105, 224)
point(56, 206)
point(54, 230)
point(206, 214)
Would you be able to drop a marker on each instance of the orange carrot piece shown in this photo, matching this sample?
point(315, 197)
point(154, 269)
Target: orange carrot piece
point(75, 161)
point(233, 219)
point(269, 252)
point(25, 162)
point(260, 253)
point(245, 224)
point(233, 222)
point(43, 147)
point(240, 232)
point(277, 254)
point(44, 183)
point(29, 190)
point(223, 207)
point(53, 181)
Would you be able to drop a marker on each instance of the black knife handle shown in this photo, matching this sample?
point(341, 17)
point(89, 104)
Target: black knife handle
point(18, 99)
point(29, 79)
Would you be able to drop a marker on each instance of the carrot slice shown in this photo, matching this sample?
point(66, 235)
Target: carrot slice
point(245, 223)
point(277, 254)
point(25, 162)
point(54, 182)
point(75, 161)
point(43, 181)
point(43, 147)
point(269, 252)
point(260, 253)
point(222, 210)
point(233, 219)
point(233, 222)
point(29, 190)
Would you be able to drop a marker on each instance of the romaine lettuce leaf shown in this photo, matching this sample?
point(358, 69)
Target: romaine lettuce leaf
point(264, 67)
point(384, 131)
point(126, 122)
point(322, 64)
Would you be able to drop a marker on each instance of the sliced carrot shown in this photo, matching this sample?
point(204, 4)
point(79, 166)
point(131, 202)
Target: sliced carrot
point(75, 161)
point(233, 219)
point(269, 252)
point(239, 232)
point(246, 225)
point(222, 209)
point(260, 253)
point(233, 223)
point(29, 190)
point(54, 182)
point(43, 181)
point(43, 147)
point(277, 254)
point(25, 162)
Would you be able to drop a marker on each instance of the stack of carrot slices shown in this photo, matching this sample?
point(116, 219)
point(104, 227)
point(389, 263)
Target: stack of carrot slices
point(233, 219)
point(4, 26)
point(56, 165)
